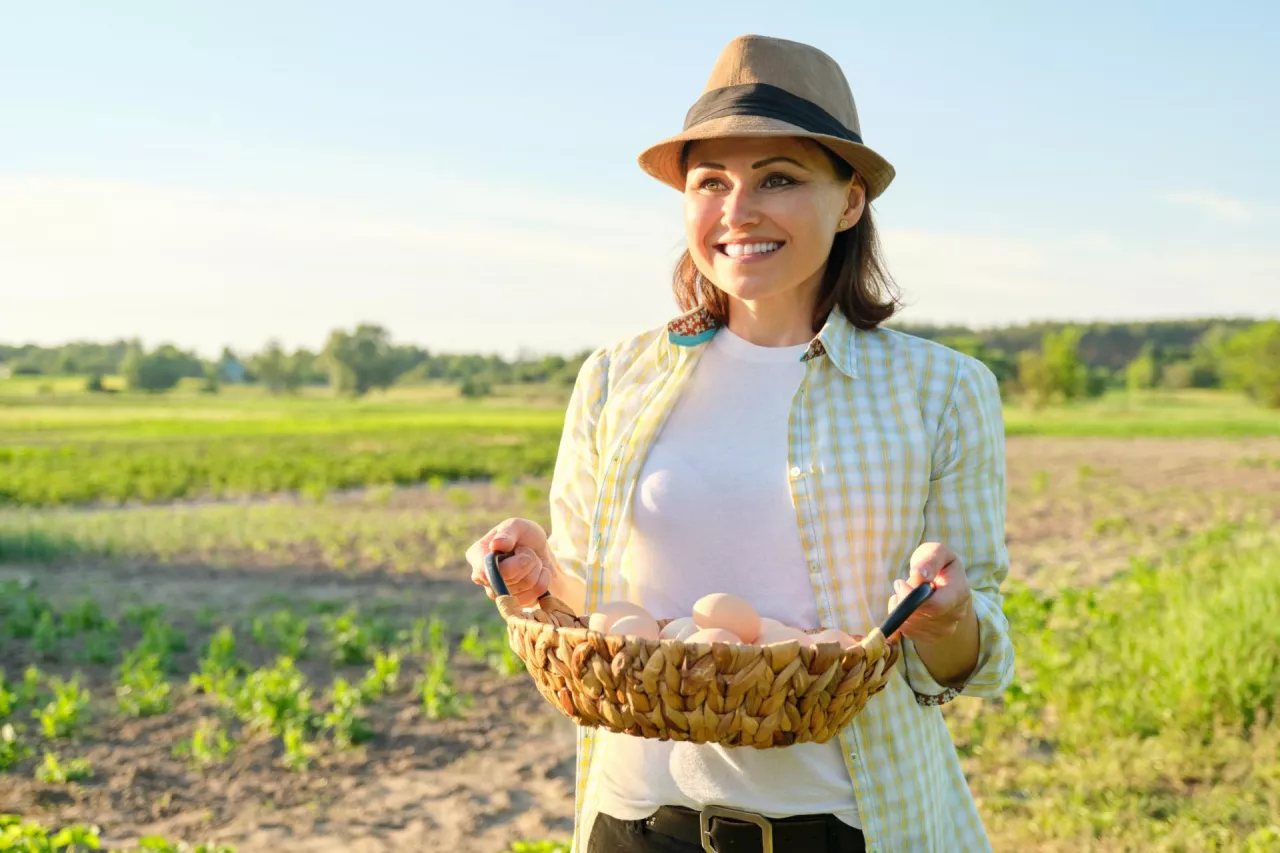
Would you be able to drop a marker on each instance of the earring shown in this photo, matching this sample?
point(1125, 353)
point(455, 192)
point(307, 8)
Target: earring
point(844, 223)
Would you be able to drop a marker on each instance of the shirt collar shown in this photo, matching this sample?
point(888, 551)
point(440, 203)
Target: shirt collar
point(836, 339)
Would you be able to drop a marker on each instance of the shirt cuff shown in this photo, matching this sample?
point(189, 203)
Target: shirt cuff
point(922, 683)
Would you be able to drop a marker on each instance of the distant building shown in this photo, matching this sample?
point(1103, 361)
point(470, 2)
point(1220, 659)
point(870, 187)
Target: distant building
point(6, 372)
point(231, 370)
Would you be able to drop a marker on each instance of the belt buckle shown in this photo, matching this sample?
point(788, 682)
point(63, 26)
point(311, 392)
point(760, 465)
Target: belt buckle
point(708, 812)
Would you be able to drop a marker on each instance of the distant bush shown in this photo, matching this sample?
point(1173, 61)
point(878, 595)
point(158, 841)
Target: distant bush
point(474, 387)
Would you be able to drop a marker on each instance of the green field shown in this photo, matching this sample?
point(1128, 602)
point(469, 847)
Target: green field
point(237, 666)
point(74, 448)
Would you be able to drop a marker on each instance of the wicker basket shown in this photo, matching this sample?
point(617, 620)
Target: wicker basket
point(726, 693)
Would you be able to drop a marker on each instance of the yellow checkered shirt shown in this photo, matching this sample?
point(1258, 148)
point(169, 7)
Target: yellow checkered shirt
point(893, 440)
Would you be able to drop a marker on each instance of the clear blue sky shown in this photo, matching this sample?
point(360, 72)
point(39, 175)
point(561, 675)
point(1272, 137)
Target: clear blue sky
point(464, 173)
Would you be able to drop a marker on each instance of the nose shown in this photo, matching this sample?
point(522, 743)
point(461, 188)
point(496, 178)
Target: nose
point(740, 209)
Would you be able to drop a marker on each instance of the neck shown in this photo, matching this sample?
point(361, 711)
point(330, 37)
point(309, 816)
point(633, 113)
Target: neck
point(779, 321)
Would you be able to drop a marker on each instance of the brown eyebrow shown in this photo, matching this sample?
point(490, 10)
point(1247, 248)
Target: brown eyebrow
point(759, 165)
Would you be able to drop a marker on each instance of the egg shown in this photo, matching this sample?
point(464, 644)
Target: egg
point(645, 627)
point(733, 614)
point(602, 620)
point(832, 635)
point(766, 623)
point(678, 629)
point(713, 635)
point(781, 634)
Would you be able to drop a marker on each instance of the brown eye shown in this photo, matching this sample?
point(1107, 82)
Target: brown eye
point(786, 180)
point(705, 185)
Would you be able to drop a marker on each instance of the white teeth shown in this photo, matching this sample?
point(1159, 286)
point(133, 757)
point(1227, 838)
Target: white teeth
point(737, 250)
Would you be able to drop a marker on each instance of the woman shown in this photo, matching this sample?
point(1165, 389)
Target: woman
point(775, 442)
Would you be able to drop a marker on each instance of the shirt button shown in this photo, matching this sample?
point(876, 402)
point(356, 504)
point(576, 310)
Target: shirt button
point(795, 471)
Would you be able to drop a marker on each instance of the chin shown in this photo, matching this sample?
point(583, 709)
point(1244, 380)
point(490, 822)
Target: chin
point(751, 288)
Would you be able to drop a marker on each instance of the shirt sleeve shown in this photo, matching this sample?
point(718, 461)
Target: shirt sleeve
point(965, 511)
point(574, 478)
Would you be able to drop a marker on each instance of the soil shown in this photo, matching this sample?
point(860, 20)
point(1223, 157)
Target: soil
point(1079, 510)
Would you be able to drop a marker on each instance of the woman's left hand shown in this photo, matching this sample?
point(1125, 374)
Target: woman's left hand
point(950, 603)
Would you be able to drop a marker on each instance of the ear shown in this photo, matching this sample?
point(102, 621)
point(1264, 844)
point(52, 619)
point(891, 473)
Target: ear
point(856, 203)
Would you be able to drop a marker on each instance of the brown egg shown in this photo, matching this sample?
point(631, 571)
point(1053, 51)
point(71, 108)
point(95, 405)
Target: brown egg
point(781, 634)
point(733, 614)
point(832, 635)
point(678, 629)
point(713, 635)
point(602, 620)
point(766, 623)
point(644, 627)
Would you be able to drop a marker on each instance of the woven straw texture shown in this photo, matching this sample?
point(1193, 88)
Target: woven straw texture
point(735, 695)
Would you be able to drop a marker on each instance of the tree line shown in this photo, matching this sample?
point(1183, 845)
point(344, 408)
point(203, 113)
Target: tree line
point(1040, 362)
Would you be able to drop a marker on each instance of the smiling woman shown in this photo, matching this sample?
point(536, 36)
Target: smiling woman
point(777, 443)
point(796, 196)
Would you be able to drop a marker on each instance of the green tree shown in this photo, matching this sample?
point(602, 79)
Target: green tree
point(1056, 371)
point(156, 371)
point(273, 369)
point(1143, 372)
point(362, 360)
point(1250, 362)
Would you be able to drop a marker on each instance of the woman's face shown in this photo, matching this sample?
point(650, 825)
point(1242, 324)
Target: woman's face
point(782, 192)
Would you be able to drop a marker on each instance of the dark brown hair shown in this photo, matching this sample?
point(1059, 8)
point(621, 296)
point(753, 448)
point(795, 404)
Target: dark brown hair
point(855, 279)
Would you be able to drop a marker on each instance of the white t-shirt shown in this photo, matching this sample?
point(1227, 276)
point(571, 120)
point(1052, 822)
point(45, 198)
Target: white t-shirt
point(713, 513)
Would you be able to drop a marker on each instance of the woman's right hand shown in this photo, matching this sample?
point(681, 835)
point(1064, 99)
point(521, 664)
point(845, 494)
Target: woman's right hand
point(527, 572)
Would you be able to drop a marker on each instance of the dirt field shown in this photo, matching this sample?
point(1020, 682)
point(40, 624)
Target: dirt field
point(1079, 510)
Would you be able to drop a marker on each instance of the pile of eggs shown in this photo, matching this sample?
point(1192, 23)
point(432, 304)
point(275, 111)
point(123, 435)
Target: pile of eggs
point(717, 618)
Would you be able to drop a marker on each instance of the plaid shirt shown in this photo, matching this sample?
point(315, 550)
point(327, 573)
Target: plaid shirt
point(893, 440)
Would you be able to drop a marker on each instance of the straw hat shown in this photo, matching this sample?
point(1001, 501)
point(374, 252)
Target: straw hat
point(763, 86)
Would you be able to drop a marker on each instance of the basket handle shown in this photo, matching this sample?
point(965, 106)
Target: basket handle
point(905, 608)
point(499, 586)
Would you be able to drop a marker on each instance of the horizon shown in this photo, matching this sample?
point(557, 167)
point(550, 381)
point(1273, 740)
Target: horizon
point(223, 177)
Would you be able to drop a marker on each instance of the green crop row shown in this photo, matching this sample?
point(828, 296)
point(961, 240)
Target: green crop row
point(117, 473)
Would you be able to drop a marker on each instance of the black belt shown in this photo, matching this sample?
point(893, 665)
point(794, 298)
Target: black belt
point(719, 829)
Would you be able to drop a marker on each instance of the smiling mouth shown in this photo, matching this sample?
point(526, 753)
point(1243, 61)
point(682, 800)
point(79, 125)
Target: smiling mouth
point(749, 250)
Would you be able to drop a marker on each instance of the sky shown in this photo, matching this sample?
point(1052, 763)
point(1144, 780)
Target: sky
point(465, 174)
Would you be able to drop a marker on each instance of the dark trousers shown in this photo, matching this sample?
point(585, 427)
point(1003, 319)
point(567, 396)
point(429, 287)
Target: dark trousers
point(612, 835)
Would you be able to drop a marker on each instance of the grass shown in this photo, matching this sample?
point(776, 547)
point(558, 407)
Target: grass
point(1151, 414)
point(69, 448)
point(1143, 716)
point(427, 533)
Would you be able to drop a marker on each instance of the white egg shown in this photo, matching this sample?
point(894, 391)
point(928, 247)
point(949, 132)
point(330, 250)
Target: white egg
point(644, 627)
point(733, 614)
point(679, 629)
point(602, 620)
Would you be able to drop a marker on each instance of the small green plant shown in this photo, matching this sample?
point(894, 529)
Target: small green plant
point(492, 648)
point(30, 693)
point(8, 698)
point(85, 615)
point(382, 678)
point(142, 689)
point(55, 772)
point(348, 640)
point(220, 668)
point(283, 631)
point(440, 699)
point(100, 646)
point(21, 611)
point(45, 637)
point(19, 835)
point(297, 751)
point(275, 699)
point(12, 748)
point(345, 726)
point(209, 744)
point(65, 714)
